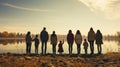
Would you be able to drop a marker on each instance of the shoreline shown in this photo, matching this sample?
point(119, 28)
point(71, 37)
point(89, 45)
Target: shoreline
point(111, 59)
point(12, 38)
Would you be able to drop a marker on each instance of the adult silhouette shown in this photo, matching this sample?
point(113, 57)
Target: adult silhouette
point(70, 40)
point(44, 38)
point(91, 38)
point(28, 42)
point(99, 41)
point(78, 41)
point(53, 40)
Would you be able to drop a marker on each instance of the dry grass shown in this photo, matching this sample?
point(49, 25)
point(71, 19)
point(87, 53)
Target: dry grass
point(110, 59)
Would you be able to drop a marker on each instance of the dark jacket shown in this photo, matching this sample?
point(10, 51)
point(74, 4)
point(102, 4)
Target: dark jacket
point(36, 41)
point(98, 38)
point(70, 38)
point(85, 44)
point(91, 35)
point(44, 36)
point(53, 39)
point(28, 39)
point(60, 48)
point(78, 38)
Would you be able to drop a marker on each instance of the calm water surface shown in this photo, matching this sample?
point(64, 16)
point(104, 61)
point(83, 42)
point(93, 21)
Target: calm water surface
point(19, 47)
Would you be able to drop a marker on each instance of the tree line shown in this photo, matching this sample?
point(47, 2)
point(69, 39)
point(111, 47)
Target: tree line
point(7, 34)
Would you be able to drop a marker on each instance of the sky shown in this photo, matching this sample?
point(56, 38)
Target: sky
point(60, 16)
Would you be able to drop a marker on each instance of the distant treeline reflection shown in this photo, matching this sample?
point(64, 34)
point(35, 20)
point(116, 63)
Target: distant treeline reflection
point(112, 38)
point(11, 41)
point(6, 41)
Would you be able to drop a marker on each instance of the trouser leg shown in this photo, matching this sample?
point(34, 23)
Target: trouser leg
point(27, 48)
point(54, 48)
point(45, 47)
point(100, 49)
point(69, 49)
point(78, 48)
point(42, 47)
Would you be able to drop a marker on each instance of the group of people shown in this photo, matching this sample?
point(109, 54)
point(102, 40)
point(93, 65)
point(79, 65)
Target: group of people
point(44, 36)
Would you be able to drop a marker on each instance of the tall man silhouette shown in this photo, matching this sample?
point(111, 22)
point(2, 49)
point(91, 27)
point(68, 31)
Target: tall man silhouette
point(44, 38)
point(91, 38)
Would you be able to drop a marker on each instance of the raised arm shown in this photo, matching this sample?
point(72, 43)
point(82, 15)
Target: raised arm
point(63, 42)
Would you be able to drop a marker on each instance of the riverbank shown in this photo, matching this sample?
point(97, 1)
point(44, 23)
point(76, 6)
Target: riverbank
point(23, 60)
point(17, 38)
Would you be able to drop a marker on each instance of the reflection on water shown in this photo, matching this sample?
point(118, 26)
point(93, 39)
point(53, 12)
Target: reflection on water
point(11, 41)
point(118, 46)
point(18, 46)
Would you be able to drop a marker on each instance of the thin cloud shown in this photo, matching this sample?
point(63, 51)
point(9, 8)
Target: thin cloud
point(110, 8)
point(25, 8)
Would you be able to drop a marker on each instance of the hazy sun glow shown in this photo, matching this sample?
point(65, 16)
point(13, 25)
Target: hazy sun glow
point(101, 2)
point(109, 8)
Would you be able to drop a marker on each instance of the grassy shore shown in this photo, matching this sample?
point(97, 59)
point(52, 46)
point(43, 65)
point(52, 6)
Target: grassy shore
point(22, 60)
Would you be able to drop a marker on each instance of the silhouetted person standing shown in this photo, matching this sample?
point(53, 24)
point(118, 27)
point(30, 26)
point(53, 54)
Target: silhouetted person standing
point(70, 40)
point(78, 41)
point(44, 38)
point(99, 41)
point(28, 42)
point(91, 38)
point(85, 44)
point(60, 47)
point(36, 44)
point(53, 39)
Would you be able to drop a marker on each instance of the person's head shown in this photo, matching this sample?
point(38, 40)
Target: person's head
point(91, 28)
point(70, 31)
point(60, 41)
point(98, 31)
point(44, 28)
point(78, 32)
point(53, 32)
point(28, 33)
point(36, 35)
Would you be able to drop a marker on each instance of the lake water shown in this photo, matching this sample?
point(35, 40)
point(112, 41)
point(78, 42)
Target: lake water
point(19, 46)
